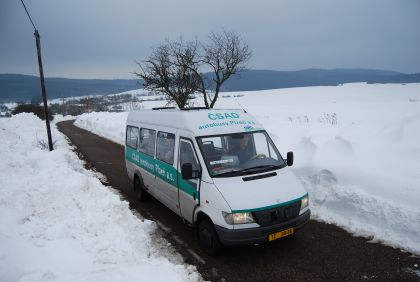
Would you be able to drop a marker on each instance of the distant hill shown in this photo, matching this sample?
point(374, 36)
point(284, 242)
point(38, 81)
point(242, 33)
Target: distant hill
point(266, 79)
point(17, 87)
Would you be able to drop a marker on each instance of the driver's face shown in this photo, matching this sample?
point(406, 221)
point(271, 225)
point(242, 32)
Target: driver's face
point(244, 142)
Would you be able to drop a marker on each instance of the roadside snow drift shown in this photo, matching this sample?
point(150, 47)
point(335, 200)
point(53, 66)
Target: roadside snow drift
point(357, 151)
point(59, 223)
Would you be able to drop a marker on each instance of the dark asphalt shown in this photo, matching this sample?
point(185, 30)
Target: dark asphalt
point(319, 252)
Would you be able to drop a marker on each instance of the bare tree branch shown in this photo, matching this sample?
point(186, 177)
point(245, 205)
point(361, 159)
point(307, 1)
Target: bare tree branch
point(166, 71)
point(227, 54)
point(175, 67)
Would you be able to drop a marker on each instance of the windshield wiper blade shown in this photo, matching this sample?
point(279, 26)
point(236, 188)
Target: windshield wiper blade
point(245, 171)
point(260, 167)
point(229, 173)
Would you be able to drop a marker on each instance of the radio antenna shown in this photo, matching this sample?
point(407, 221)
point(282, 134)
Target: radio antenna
point(240, 106)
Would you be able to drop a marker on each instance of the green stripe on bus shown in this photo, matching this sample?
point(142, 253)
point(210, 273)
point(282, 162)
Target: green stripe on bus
point(164, 171)
point(270, 207)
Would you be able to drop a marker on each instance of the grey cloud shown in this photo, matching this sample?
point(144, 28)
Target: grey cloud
point(103, 38)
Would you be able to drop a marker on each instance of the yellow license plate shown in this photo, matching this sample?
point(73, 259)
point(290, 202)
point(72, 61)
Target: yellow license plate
point(281, 234)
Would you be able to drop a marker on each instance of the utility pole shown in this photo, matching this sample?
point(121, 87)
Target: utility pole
point(41, 76)
point(44, 93)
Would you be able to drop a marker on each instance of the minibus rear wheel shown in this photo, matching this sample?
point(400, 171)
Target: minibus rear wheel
point(141, 194)
point(207, 235)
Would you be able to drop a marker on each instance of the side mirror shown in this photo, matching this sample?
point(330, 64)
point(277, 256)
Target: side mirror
point(186, 171)
point(289, 158)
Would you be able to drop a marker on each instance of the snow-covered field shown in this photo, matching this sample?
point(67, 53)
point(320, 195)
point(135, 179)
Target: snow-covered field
point(59, 223)
point(357, 151)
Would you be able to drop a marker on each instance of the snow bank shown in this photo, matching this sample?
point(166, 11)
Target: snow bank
point(357, 151)
point(107, 125)
point(59, 223)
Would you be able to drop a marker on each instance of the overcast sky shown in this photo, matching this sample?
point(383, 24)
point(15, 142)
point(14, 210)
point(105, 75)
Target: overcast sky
point(104, 38)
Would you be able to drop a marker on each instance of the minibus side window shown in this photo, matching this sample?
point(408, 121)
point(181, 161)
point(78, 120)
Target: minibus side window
point(147, 141)
point(132, 136)
point(187, 155)
point(165, 146)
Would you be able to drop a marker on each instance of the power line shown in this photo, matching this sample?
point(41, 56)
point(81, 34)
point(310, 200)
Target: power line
point(29, 16)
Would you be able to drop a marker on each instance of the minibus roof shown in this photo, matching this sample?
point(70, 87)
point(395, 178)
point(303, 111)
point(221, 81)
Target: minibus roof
point(202, 122)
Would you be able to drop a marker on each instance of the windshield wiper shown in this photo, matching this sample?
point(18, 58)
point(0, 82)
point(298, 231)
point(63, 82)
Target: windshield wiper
point(260, 167)
point(233, 172)
point(249, 170)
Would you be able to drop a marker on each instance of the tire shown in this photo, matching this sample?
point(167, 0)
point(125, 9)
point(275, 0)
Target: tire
point(141, 194)
point(208, 238)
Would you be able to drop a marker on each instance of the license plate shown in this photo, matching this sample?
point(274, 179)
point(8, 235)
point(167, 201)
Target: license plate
point(281, 234)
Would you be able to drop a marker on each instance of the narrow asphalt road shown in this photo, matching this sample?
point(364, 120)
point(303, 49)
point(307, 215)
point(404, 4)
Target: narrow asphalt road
point(319, 252)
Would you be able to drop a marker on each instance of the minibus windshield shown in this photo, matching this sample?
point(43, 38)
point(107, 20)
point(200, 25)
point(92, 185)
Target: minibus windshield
point(240, 153)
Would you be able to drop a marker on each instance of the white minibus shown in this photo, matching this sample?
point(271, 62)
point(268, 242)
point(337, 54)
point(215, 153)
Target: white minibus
point(217, 169)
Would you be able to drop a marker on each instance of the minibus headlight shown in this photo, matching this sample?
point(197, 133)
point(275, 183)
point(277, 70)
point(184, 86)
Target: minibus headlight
point(238, 218)
point(304, 202)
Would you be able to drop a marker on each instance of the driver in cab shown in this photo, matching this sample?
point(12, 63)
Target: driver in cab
point(242, 149)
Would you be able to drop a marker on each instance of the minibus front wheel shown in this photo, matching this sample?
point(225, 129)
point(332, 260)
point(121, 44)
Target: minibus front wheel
point(141, 194)
point(208, 238)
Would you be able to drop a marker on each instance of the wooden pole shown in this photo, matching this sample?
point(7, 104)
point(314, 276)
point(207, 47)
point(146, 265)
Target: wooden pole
point(44, 94)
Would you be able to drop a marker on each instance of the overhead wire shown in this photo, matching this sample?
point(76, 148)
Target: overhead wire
point(29, 16)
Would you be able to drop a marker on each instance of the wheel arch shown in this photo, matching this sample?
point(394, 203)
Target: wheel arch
point(201, 215)
point(137, 176)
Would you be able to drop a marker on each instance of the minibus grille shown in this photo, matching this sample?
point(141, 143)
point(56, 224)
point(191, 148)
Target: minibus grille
point(277, 215)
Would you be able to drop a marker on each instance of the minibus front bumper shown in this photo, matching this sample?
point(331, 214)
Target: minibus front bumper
point(257, 235)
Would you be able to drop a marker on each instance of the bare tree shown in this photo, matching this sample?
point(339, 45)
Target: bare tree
point(169, 70)
point(175, 68)
point(226, 54)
